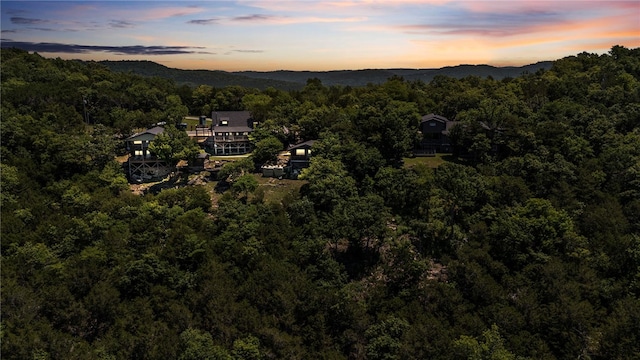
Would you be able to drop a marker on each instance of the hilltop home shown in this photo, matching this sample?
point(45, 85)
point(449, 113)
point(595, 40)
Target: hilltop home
point(300, 155)
point(229, 132)
point(142, 163)
point(435, 135)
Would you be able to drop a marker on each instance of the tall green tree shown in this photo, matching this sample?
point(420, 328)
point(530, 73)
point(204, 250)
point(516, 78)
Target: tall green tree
point(173, 145)
point(266, 151)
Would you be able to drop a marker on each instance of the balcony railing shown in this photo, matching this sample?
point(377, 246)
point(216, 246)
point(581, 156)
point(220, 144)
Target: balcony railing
point(140, 158)
point(231, 138)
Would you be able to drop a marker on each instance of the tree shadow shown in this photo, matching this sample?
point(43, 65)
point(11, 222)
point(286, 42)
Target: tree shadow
point(178, 179)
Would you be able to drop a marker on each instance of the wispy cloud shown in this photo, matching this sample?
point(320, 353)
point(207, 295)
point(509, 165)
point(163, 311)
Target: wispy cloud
point(120, 50)
point(485, 23)
point(27, 21)
point(317, 19)
point(121, 24)
point(522, 21)
point(44, 29)
point(273, 20)
point(169, 12)
point(14, 11)
point(248, 51)
point(254, 17)
point(203, 21)
point(290, 20)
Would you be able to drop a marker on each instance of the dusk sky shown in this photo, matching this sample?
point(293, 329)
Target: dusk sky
point(320, 35)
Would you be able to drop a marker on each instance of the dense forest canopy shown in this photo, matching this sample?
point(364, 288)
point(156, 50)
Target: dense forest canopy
point(524, 244)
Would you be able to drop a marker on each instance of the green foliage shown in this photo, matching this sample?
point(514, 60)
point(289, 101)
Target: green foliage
point(329, 183)
point(389, 126)
point(533, 233)
point(175, 111)
point(258, 105)
point(247, 349)
point(188, 198)
point(266, 151)
point(9, 181)
point(173, 145)
point(522, 244)
point(384, 339)
point(202, 96)
point(198, 345)
point(233, 170)
point(244, 185)
point(491, 347)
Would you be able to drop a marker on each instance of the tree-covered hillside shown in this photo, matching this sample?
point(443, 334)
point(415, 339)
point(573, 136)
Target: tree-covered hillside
point(295, 80)
point(198, 77)
point(524, 244)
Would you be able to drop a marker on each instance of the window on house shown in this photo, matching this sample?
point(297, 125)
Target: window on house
point(137, 142)
point(138, 153)
point(432, 124)
point(300, 152)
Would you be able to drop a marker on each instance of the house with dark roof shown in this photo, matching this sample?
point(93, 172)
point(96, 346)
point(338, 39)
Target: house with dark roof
point(435, 135)
point(300, 155)
point(142, 164)
point(229, 132)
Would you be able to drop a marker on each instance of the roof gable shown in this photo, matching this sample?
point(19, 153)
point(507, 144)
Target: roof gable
point(232, 118)
point(148, 134)
point(435, 117)
point(306, 144)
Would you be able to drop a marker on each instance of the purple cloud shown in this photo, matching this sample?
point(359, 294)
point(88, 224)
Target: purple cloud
point(120, 50)
point(27, 21)
point(121, 24)
point(493, 24)
point(254, 17)
point(203, 21)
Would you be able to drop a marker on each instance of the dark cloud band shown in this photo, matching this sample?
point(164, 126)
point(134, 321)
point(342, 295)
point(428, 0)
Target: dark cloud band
point(202, 21)
point(120, 24)
point(84, 49)
point(27, 21)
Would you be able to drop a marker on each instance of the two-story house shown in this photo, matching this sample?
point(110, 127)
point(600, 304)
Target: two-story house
point(230, 132)
point(142, 163)
point(300, 155)
point(435, 135)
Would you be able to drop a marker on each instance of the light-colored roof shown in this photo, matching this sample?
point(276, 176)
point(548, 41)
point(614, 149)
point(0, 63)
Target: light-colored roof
point(152, 131)
point(307, 143)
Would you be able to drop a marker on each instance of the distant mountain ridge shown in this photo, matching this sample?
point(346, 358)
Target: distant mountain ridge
point(292, 80)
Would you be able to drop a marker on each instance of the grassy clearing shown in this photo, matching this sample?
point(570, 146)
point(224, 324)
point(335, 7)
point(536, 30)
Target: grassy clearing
point(275, 190)
point(271, 190)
